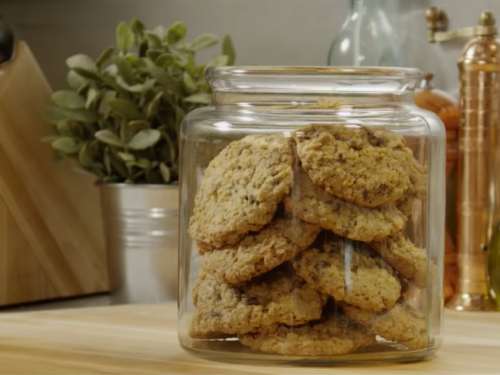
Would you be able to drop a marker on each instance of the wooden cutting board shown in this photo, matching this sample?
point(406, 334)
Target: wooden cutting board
point(142, 339)
point(51, 240)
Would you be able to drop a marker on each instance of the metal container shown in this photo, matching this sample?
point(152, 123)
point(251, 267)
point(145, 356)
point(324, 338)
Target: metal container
point(141, 230)
point(478, 161)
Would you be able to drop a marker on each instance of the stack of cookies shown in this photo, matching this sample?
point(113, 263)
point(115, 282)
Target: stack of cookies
point(302, 242)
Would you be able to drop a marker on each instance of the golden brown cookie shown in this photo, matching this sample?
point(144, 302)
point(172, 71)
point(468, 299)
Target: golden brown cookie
point(278, 297)
point(401, 324)
point(260, 252)
point(334, 335)
point(368, 166)
point(241, 189)
point(314, 205)
point(406, 258)
point(349, 271)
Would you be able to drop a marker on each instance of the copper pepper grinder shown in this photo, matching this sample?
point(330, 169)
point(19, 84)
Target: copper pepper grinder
point(478, 157)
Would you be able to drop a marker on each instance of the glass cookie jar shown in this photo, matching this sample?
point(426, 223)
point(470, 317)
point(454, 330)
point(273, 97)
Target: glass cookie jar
point(312, 218)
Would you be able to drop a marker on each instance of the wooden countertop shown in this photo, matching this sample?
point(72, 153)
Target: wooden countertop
point(142, 339)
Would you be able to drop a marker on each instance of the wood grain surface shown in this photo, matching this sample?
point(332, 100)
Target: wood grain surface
point(51, 242)
point(142, 339)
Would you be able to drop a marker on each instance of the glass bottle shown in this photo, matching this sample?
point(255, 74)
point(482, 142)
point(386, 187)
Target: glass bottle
point(312, 218)
point(366, 38)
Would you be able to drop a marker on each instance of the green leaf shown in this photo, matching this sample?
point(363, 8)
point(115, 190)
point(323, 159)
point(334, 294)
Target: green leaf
point(137, 89)
point(165, 173)
point(139, 125)
point(125, 131)
point(153, 107)
point(179, 116)
point(66, 145)
point(138, 29)
point(82, 62)
point(126, 157)
point(144, 139)
point(134, 61)
point(153, 54)
point(170, 151)
point(203, 41)
point(203, 85)
point(84, 156)
point(218, 61)
point(111, 70)
point(107, 161)
point(88, 74)
point(81, 115)
point(125, 108)
point(228, 49)
point(199, 98)
point(125, 69)
point(141, 163)
point(175, 33)
point(160, 31)
point(82, 90)
point(189, 85)
point(92, 97)
point(110, 81)
point(105, 56)
point(68, 99)
point(104, 108)
point(154, 40)
point(162, 77)
point(124, 37)
point(190, 65)
point(130, 88)
point(107, 136)
point(117, 163)
point(75, 81)
point(66, 128)
point(164, 60)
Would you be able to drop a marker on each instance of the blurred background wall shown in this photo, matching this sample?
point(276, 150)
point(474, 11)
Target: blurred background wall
point(265, 32)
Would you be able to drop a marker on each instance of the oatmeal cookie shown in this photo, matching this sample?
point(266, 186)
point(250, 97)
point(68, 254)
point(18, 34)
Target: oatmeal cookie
point(349, 271)
point(262, 251)
point(314, 205)
point(198, 330)
point(368, 166)
point(406, 258)
point(333, 335)
point(401, 324)
point(241, 189)
point(277, 297)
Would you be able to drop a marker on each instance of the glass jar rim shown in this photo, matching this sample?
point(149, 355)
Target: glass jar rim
point(333, 71)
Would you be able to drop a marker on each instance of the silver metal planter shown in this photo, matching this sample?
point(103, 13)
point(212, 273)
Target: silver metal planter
point(141, 230)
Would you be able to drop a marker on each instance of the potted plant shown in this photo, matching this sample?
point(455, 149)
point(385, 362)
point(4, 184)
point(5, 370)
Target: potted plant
point(119, 120)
